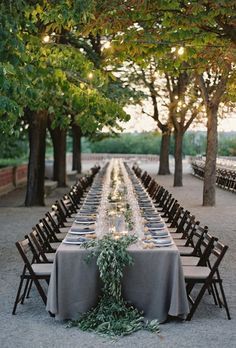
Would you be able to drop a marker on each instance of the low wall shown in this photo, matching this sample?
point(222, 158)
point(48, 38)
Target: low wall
point(12, 177)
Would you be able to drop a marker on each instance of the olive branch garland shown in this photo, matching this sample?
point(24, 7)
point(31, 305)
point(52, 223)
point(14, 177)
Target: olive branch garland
point(112, 316)
point(128, 217)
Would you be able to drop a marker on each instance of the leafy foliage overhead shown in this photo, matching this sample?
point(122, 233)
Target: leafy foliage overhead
point(41, 71)
point(53, 54)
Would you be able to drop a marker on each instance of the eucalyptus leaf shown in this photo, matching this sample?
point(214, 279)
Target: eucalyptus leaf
point(112, 316)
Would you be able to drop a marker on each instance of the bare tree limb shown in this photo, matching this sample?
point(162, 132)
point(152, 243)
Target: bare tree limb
point(221, 86)
point(202, 86)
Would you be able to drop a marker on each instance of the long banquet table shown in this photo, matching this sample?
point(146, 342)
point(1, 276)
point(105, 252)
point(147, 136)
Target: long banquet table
point(154, 284)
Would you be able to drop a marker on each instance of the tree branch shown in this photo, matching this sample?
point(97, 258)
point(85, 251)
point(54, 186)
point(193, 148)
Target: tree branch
point(190, 120)
point(202, 86)
point(229, 29)
point(221, 86)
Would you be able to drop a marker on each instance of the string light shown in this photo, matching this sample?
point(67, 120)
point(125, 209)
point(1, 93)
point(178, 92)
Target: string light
point(90, 75)
point(156, 74)
point(107, 45)
point(180, 51)
point(46, 38)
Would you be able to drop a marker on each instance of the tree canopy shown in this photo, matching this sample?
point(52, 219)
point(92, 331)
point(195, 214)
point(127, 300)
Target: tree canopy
point(65, 59)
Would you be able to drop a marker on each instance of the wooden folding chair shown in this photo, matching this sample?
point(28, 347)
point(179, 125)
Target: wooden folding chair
point(49, 244)
point(184, 233)
point(179, 223)
point(203, 253)
point(52, 220)
point(56, 236)
point(170, 213)
point(37, 248)
point(207, 276)
point(193, 243)
point(164, 203)
point(174, 223)
point(31, 272)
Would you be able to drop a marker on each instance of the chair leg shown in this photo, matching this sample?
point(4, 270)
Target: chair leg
point(213, 291)
point(18, 295)
point(29, 289)
point(196, 302)
point(40, 290)
point(25, 291)
point(224, 299)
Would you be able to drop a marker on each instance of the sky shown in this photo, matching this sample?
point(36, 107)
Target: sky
point(140, 122)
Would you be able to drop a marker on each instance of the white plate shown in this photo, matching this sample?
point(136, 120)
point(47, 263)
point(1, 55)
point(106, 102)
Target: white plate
point(163, 245)
point(157, 236)
point(162, 241)
point(154, 219)
point(92, 201)
point(84, 222)
point(82, 233)
point(86, 211)
point(76, 243)
point(156, 228)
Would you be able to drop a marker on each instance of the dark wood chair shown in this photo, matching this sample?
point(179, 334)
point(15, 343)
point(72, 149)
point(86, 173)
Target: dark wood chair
point(193, 243)
point(208, 277)
point(38, 249)
point(32, 272)
point(203, 253)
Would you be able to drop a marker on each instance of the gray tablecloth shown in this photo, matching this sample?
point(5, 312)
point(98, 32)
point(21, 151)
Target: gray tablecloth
point(154, 284)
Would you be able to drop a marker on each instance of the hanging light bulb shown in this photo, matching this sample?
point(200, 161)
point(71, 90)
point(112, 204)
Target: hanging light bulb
point(90, 75)
point(107, 45)
point(46, 38)
point(181, 51)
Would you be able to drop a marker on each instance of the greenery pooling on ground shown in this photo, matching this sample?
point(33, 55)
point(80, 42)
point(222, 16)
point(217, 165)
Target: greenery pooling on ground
point(112, 316)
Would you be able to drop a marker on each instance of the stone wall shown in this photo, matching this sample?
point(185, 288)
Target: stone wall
point(12, 177)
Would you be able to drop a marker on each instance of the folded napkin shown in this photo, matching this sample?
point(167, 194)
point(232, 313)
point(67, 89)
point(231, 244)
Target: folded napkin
point(76, 239)
point(153, 221)
point(157, 242)
point(160, 234)
point(87, 208)
point(91, 203)
point(155, 225)
point(79, 229)
point(86, 218)
point(83, 224)
point(151, 215)
point(145, 204)
point(162, 241)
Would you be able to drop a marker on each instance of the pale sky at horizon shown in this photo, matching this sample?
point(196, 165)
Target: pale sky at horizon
point(140, 122)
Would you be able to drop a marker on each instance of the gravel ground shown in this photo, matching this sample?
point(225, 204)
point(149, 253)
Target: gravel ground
point(33, 327)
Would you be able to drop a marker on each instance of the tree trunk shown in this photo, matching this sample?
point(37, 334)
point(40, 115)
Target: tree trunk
point(164, 167)
point(211, 154)
point(58, 136)
point(178, 175)
point(76, 160)
point(36, 165)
